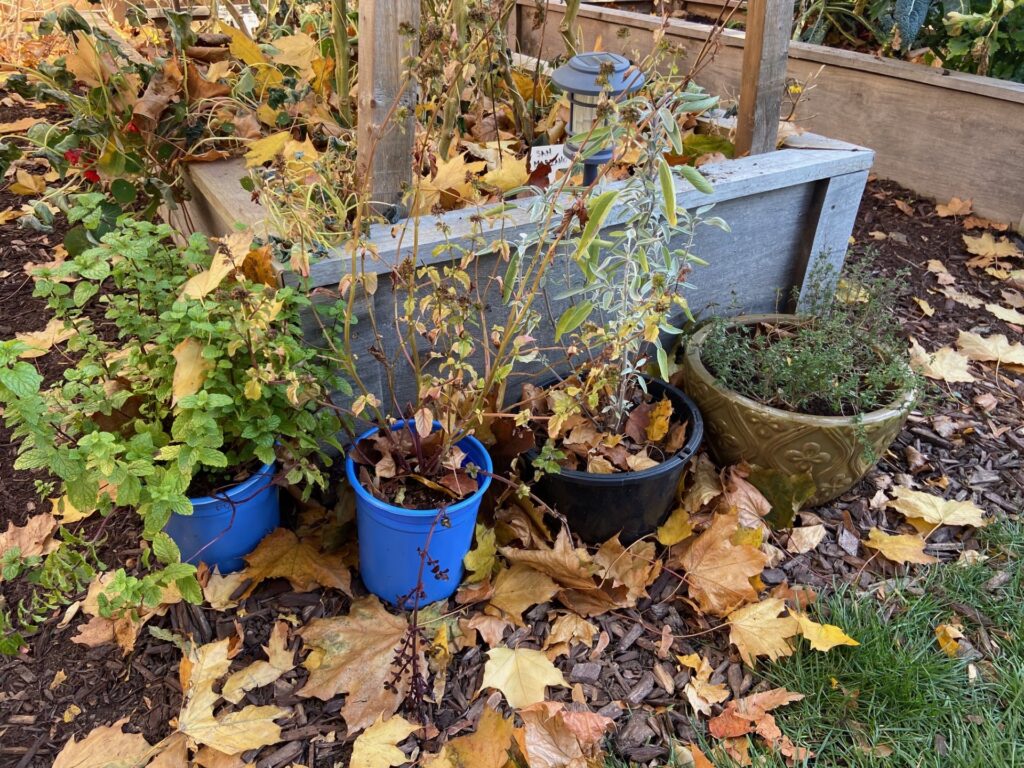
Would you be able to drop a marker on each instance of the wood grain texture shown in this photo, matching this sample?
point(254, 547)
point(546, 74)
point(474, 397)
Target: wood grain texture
point(385, 138)
point(764, 75)
point(938, 132)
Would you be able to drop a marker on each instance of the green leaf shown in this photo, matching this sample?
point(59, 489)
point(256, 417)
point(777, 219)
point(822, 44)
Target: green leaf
point(22, 379)
point(786, 493)
point(76, 240)
point(697, 144)
point(663, 369)
point(190, 590)
point(165, 549)
point(573, 318)
point(84, 292)
point(668, 191)
point(510, 277)
point(123, 191)
point(597, 213)
point(694, 176)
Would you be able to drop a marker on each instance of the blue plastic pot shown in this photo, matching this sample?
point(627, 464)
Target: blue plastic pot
point(221, 532)
point(390, 537)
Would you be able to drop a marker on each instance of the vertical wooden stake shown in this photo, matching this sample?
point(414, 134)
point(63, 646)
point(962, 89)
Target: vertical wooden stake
point(764, 74)
point(384, 139)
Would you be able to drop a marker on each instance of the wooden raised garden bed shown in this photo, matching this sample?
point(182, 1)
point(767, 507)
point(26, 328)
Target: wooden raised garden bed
point(783, 208)
point(939, 132)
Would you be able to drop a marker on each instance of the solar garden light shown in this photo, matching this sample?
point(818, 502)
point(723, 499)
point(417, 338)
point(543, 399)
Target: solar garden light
point(584, 78)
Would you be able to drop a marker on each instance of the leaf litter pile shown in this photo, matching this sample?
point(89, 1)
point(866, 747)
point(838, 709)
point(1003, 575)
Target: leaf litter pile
point(549, 654)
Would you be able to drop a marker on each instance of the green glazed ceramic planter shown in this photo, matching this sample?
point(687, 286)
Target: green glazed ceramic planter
point(829, 448)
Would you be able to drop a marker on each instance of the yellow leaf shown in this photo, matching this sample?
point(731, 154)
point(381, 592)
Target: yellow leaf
point(283, 555)
point(510, 174)
point(27, 184)
point(253, 389)
point(296, 50)
point(823, 637)
point(66, 511)
point(260, 673)
point(245, 50)
point(487, 747)
point(1005, 314)
point(991, 349)
point(948, 636)
point(902, 548)
point(521, 674)
point(676, 528)
point(450, 187)
point(481, 560)
point(198, 286)
point(718, 572)
point(231, 732)
point(376, 747)
point(520, 587)
point(191, 369)
point(704, 485)
point(758, 630)
point(926, 308)
point(945, 364)
point(570, 628)
point(986, 245)
point(105, 747)
point(266, 149)
point(661, 414)
point(700, 691)
point(936, 510)
point(41, 342)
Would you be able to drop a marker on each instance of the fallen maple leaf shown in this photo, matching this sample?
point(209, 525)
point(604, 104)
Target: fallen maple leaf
point(449, 187)
point(902, 548)
point(700, 691)
point(19, 126)
point(805, 539)
point(487, 747)
point(227, 732)
point(481, 561)
point(554, 737)
point(41, 342)
point(518, 588)
point(751, 715)
point(521, 674)
point(717, 571)
point(352, 654)
point(1006, 314)
point(823, 637)
point(634, 567)
point(511, 173)
point(988, 247)
point(995, 348)
point(936, 510)
point(569, 629)
point(758, 630)
point(33, 539)
point(676, 529)
point(945, 364)
point(703, 485)
point(955, 207)
point(199, 286)
point(741, 496)
point(190, 370)
point(105, 747)
point(948, 637)
point(377, 746)
point(266, 149)
point(296, 50)
point(283, 555)
point(260, 673)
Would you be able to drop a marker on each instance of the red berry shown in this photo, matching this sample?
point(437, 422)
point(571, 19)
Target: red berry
point(92, 176)
point(73, 156)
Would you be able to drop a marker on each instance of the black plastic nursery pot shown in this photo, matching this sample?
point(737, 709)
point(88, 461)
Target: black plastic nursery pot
point(631, 504)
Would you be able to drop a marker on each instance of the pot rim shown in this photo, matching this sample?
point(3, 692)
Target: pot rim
point(235, 490)
point(361, 492)
point(899, 406)
point(618, 478)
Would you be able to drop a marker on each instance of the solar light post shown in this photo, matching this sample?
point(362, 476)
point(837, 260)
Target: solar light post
point(584, 78)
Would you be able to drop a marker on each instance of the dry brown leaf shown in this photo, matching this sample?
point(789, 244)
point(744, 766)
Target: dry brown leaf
point(487, 747)
point(163, 87)
point(700, 691)
point(1006, 314)
point(554, 737)
point(218, 589)
point(901, 548)
point(33, 539)
point(740, 496)
point(805, 539)
point(518, 588)
point(904, 207)
point(352, 655)
point(41, 342)
point(988, 247)
point(124, 629)
point(450, 187)
point(955, 207)
point(377, 746)
point(105, 747)
point(758, 630)
point(977, 222)
point(568, 566)
point(634, 567)
point(570, 629)
point(751, 715)
point(283, 555)
point(935, 510)
point(19, 126)
point(206, 281)
point(717, 571)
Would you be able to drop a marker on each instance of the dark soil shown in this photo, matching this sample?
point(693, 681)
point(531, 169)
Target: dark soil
point(954, 443)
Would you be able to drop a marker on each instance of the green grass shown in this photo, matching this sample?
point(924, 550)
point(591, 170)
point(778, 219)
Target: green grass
point(898, 690)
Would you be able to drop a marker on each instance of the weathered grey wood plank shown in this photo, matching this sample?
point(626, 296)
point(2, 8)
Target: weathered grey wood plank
point(764, 75)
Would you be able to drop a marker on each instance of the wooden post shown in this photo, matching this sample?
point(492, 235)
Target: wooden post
point(765, 54)
point(384, 142)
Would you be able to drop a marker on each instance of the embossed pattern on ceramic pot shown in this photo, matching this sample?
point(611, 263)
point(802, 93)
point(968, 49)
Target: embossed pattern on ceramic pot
point(830, 448)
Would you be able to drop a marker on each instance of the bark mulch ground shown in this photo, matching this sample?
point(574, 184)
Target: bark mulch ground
point(960, 439)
